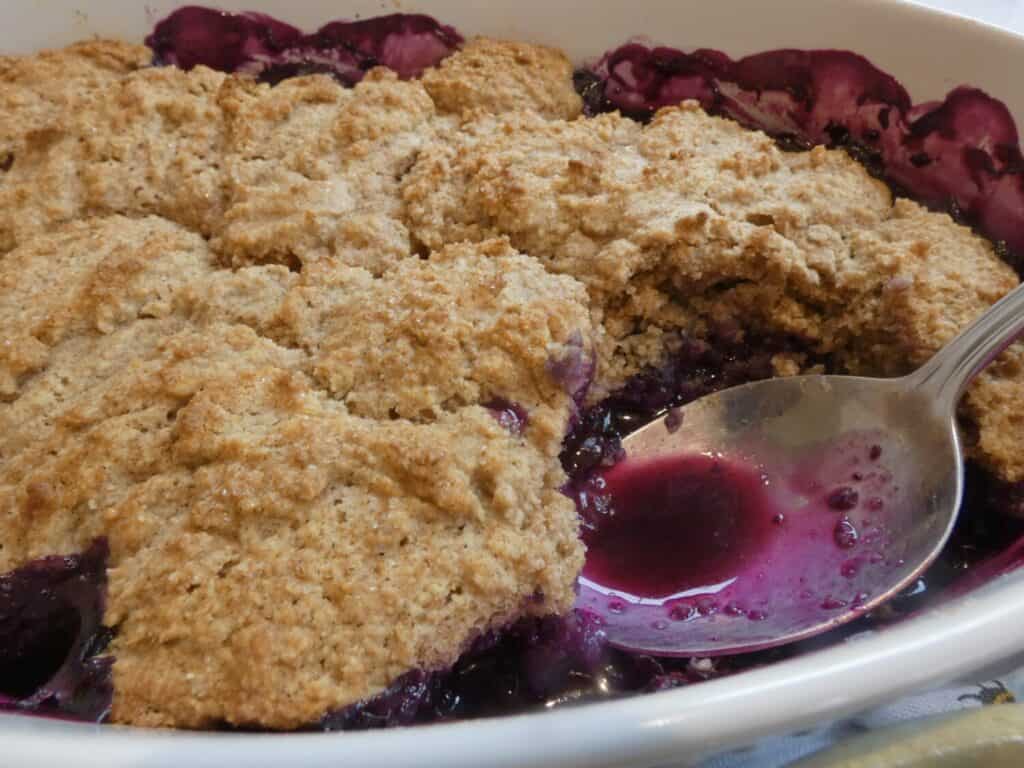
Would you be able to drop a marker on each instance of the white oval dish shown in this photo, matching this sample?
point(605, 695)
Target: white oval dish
point(929, 52)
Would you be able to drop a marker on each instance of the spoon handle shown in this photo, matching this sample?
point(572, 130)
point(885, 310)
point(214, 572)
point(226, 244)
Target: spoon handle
point(951, 369)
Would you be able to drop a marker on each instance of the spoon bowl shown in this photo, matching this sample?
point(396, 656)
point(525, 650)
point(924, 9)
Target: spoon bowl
point(770, 512)
point(840, 460)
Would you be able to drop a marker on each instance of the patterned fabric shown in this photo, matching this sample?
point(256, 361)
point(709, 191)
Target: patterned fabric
point(779, 751)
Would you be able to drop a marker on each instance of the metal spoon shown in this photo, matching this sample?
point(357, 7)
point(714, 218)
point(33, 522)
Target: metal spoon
point(863, 479)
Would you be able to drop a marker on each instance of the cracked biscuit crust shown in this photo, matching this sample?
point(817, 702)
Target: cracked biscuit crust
point(149, 142)
point(496, 76)
point(279, 548)
point(255, 337)
point(312, 170)
point(692, 219)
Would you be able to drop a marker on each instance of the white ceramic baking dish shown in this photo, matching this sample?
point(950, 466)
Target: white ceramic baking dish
point(929, 52)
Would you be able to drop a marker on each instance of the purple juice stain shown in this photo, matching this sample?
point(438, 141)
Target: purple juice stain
point(273, 51)
point(707, 607)
point(682, 612)
point(695, 368)
point(677, 523)
point(870, 534)
point(732, 609)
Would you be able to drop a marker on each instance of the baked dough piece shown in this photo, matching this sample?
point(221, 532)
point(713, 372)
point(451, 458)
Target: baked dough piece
point(279, 546)
point(145, 141)
point(692, 220)
point(313, 170)
point(504, 76)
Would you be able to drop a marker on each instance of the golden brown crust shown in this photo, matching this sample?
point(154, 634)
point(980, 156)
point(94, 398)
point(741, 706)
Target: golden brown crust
point(693, 219)
point(280, 548)
point(38, 93)
point(89, 277)
point(317, 555)
point(504, 76)
point(313, 170)
point(252, 335)
point(147, 143)
point(50, 71)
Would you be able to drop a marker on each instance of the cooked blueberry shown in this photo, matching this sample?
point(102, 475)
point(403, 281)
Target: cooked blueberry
point(843, 498)
point(273, 51)
point(51, 635)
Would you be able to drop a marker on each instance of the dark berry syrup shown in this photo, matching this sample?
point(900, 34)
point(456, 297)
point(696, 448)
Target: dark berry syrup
point(742, 555)
point(678, 524)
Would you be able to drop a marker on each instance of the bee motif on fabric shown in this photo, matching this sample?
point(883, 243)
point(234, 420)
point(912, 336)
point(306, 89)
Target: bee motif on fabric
point(996, 693)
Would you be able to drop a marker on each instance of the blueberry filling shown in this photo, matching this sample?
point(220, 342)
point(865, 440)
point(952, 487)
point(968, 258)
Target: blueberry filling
point(694, 368)
point(572, 369)
point(52, 638)
point(960, 154)
point(273, 51)
point(512, 416)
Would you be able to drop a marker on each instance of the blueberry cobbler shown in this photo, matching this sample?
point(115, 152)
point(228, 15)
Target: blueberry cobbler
point(313, 345)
